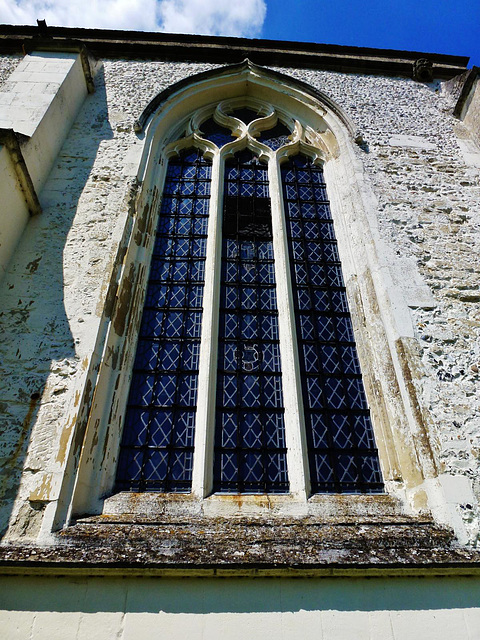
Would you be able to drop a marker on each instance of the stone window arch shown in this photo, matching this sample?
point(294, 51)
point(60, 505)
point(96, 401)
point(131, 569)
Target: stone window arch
point(170, 127)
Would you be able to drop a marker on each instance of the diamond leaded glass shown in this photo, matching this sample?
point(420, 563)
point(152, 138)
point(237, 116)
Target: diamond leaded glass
point(341, 446)
point(157, 447)
point(250, 451)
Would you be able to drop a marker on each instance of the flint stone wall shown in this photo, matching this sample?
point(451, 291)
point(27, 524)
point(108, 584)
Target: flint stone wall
point(53, 294)
point(7, 66)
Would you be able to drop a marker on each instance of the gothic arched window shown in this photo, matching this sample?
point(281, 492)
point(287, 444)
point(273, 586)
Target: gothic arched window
point(287, 375)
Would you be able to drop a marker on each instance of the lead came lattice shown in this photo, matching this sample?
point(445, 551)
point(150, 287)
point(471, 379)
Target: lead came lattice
point(249, 449)
point(250, 453)
point(157, 446)
point(341, 447)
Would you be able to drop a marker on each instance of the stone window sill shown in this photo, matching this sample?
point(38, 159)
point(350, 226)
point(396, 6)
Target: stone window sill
point(247, 546)
point(152, 507)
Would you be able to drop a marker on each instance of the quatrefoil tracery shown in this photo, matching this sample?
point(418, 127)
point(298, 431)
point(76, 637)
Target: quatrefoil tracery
point(244, 122)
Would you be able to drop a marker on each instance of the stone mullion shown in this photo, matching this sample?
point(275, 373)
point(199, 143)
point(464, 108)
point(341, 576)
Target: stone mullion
point(297, 458)
point(202, 476)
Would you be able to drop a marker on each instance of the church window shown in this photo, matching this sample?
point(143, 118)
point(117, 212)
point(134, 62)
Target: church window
point(250, 452)
point(341, 447)
point(245, 114)
point(251, 431)
point(214, 132)
point(275, 137)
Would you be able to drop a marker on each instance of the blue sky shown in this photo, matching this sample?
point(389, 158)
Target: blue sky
point(441, 26)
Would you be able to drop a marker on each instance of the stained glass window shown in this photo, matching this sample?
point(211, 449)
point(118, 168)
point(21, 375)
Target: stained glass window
point(341, 446)
point(250, 452)
point(249, 448)
point(157, 448)
point(245, 114)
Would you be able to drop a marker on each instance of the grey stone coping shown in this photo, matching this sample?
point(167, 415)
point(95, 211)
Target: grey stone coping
point(245, 546)
point(115, 43)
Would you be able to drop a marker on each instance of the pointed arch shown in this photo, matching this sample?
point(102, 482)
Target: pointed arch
point(234, 76)
point(168, 114)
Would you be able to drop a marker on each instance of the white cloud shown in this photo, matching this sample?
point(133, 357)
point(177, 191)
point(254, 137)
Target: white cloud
point(233, 18)
point(238, 18)
point(103, 14)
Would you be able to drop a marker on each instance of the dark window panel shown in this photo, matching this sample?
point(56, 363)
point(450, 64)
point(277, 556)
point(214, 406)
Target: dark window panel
point(250, 450)
point(157, 447)
point(245, 114)
point(342, 453)
point(214, 132)
point(275, 137)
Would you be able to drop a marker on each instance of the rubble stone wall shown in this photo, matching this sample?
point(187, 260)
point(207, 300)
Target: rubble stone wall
point(53, 295)
point(7, 65)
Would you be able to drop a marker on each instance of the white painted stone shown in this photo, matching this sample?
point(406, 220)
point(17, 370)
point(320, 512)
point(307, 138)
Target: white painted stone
point(415, 142)
point(406, 276)
point(472, 622)
point(457, 489)
point(53, 625)
point(40, 104)
point(338, 625)
point(470, 152)
point(14, 213)
point(325, 609)
point(17, 625)
point(28, 87)
point(429, 625)
point(132, 158)
point(381, 625)
point(101, 625)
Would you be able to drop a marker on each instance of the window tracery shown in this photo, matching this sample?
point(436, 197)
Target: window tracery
point(250, 451)
point(341, 447)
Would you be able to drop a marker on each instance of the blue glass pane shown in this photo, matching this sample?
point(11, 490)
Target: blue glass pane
point(157, 447)
point(250, 450)
point(275, 137)
point(214, 132)
point(342, 452)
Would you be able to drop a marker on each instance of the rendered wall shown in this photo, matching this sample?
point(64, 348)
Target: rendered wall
point(312, 609)
point(471, 115)
point(38, 101)
point(15, 212)
point(53, 297)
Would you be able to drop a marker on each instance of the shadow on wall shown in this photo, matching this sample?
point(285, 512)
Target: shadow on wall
point(241, 595)
point(37, 343)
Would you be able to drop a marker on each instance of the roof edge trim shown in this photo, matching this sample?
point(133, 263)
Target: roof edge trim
point(183, 47)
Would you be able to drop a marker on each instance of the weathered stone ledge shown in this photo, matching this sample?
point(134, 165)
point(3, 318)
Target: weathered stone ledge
point(214, 546)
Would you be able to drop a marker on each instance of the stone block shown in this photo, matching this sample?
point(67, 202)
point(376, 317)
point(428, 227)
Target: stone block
point(457, 489)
